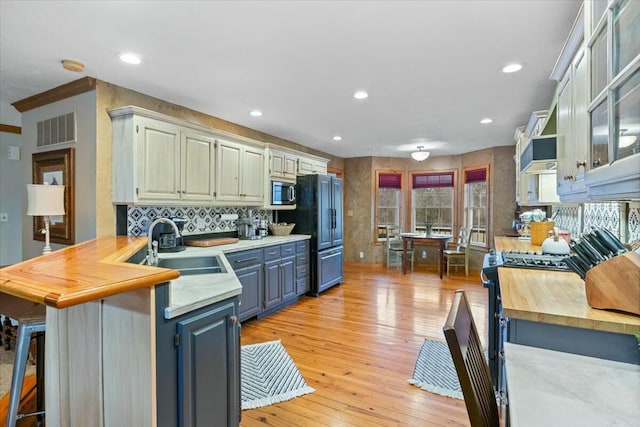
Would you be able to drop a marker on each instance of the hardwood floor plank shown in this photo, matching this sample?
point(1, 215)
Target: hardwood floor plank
point(357, 345)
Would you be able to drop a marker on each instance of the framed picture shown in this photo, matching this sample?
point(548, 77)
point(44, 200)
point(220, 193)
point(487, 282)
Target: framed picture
point(56, 168)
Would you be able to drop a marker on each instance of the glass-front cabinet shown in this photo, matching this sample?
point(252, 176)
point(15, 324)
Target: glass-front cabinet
point(613, 47)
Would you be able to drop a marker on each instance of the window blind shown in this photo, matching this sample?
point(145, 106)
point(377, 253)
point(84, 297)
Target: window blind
point(389, 180)
point(432, 180)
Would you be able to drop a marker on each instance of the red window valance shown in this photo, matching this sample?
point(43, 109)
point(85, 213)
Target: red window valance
point(475, 175)
point(432, 180)
point(390, 180)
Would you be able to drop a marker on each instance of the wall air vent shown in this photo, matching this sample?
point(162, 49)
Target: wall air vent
point(57, 130)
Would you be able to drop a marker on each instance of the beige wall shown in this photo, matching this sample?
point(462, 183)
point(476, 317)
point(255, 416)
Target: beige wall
point(86, 164)
point(360, 197)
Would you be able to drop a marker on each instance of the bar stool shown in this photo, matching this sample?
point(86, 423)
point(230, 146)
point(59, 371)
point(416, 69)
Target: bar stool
point(31, 319)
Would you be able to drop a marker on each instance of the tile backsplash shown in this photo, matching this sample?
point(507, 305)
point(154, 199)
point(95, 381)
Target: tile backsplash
point(200, 220)
point(621, 218)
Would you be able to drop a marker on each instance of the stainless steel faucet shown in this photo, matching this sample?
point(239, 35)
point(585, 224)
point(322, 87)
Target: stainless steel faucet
point(152, 246)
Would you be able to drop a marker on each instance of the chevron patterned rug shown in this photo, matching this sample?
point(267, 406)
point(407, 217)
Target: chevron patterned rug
point(434, 370)
point(269, 376)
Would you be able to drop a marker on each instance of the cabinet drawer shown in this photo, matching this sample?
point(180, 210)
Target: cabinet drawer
point(302, 271)
point(288, 250)
point(302, 258)
point(244, 258)
point(302, 247)
point(270, 253)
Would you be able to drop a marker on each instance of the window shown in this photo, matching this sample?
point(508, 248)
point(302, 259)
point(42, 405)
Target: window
point(476, 203)
point(432, 201)
point(388, 202)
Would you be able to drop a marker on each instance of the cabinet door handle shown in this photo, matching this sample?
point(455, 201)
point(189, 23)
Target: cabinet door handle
point(597, 162)
point(580, 164)
point(234, 320)
point(245, 259)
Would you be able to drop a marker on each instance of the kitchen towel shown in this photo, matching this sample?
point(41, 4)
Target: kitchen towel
point(269, 375)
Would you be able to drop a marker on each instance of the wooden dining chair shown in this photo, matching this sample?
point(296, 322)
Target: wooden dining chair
point(471, 366)
point(459, 256)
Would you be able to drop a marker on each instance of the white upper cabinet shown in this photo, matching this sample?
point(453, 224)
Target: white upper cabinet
point(198, 154)
point(573, 131)
point(282, 164)
point(159, 166)
point(310, 166)
point(599, 104)
point(155, 162)
point(614, 100)
point(535, 161)
point(240, 174)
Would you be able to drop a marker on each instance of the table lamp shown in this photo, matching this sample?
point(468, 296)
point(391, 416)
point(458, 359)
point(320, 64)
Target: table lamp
point(46, 201)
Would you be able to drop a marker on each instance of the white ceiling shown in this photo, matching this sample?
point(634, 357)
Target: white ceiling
point(432, 68)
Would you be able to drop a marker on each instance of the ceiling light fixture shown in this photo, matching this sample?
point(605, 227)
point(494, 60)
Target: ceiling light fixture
point(486, 121)
point(512, 68)
point(256, 113)
point(337, 138)
point(71, 65)
point(420, 155)
point(130, 58)
point(361, 94)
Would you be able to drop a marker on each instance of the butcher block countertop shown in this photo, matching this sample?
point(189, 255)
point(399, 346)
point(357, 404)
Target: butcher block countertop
point(84, 272)
point(553, 296)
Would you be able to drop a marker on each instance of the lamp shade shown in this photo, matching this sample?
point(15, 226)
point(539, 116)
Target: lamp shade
point(420, 155)
point(45, 200)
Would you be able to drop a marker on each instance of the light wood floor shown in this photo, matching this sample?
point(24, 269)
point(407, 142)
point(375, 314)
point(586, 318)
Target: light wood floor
point(357, 345)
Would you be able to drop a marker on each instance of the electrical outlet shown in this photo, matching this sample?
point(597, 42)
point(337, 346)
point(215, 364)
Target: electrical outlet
point(361, 254)
point(201, 223)
point(424, 254)
point(4, 217)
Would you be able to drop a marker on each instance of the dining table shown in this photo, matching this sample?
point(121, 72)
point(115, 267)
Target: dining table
point(440, 239)
point(547, 388)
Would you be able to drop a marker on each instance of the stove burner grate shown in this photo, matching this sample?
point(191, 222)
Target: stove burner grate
point(535, 261)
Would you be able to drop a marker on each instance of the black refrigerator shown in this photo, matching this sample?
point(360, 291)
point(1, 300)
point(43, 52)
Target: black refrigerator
point(319, 213)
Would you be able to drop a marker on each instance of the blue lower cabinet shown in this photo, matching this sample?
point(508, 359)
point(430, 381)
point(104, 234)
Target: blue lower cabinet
point(198, 367)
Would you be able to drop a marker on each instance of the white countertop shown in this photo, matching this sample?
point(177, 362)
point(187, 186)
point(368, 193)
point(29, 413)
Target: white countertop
point(188, 293)
point(552, 388)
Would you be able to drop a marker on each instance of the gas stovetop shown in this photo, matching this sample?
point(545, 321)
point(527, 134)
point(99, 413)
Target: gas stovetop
point(534, 260)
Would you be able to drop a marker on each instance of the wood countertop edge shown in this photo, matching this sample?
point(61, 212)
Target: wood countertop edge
point(586, 317)
point(577, 322)
point(17, 280)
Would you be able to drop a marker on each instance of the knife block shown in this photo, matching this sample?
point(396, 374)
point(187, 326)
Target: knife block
point(615, 284)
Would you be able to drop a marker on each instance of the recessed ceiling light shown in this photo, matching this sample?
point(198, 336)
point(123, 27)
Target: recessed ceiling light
point(256, 113)
point(486, 121)
point(512, 68)
point(360, 95)
point(337, 138)
point(130, 58)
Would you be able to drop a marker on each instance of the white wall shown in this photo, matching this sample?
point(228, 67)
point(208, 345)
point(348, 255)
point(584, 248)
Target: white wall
point(85, 165)
point(11, 194)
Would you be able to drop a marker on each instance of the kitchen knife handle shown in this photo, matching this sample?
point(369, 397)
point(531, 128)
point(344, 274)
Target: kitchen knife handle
point(575, 267)
point(582, 254)
point(611, 240)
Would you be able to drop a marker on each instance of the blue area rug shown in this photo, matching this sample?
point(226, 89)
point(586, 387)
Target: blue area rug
point(434, 370)
point(268, 375)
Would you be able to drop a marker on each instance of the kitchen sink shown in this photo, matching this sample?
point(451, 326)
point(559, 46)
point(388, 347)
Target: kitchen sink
point(194, 265)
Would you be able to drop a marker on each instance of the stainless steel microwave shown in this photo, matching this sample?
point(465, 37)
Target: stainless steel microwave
point(283, 193)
